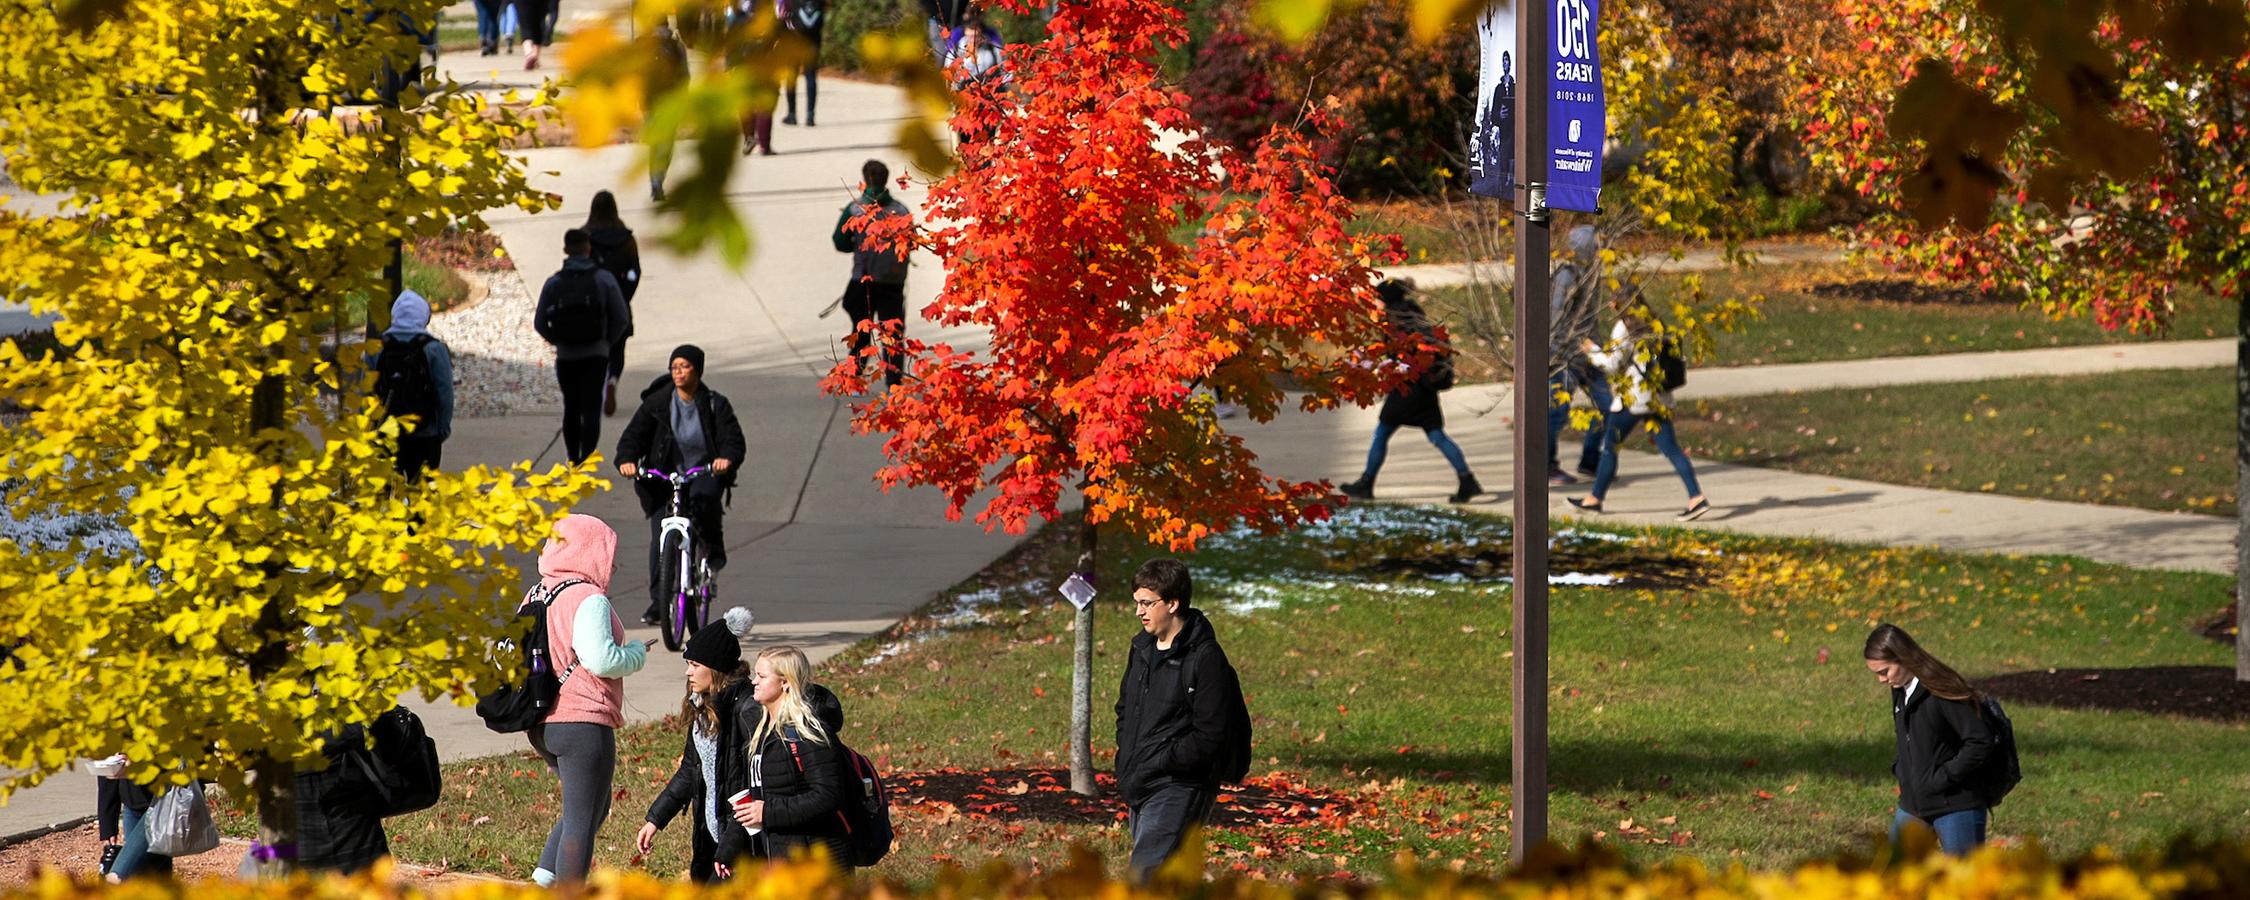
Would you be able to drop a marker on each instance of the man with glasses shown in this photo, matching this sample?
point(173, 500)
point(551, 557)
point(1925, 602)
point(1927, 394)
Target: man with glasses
point(682, 423)
point(1182, 727)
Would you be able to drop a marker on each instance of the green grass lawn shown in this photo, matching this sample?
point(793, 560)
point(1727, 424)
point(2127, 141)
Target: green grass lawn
point(1725, 716)
point(2152, 439)
point(1838, 311)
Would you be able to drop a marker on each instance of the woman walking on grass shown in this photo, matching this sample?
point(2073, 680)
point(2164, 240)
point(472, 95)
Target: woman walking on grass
point(586, 642)
point(1638, 399)
point(795, 779)
point(1943, 741)
point(716, 679)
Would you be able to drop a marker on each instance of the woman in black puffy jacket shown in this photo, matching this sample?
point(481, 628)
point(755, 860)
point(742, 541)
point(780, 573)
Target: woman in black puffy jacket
point(1944, 742)
point(794, 776)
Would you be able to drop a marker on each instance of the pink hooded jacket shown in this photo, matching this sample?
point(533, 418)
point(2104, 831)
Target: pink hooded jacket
point(585, 548)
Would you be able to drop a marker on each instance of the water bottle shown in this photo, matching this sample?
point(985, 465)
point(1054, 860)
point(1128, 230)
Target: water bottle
point(541, 699)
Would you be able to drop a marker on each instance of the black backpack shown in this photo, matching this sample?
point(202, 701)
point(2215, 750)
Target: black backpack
point(1234, 749)
point(609, 252)
point(403, 381)
point(866, 807)
point(1670, 363)
point(2002, 771)
point(402, 764)
point(577, 316)
point(526, 701)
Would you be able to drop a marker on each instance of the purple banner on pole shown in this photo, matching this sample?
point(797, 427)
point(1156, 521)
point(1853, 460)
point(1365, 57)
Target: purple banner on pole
point(1577, 113)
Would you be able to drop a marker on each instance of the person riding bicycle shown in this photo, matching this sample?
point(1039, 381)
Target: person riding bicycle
point(675, 430)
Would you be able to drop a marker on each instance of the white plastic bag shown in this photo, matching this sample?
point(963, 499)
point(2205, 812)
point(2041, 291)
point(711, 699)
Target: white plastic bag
point(112, 766)
point(179, 823)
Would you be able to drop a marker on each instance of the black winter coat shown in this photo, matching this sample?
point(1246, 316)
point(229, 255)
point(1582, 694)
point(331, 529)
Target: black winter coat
point(1167, 734)
point(1942, 749)
point(685, 790)
point(1415, 403)
point(647, 440)
point(804, 791)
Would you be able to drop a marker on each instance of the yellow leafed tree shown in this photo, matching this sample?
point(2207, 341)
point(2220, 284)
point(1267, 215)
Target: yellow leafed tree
point(222, 180)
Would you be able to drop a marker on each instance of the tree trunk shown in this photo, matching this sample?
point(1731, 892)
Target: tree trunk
point(274, 779)
point(2242, 490)
point(1082, 674)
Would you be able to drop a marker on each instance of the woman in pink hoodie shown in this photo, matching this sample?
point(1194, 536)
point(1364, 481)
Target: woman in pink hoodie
point(586, 640)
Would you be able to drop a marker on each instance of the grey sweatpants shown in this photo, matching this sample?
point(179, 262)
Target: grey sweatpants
point(584, 756)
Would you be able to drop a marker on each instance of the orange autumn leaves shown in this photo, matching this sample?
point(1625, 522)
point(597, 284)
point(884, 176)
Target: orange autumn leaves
point(1058, 234)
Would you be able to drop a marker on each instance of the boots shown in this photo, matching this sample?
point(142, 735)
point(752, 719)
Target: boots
point(1468, 490)
point(1363, 489)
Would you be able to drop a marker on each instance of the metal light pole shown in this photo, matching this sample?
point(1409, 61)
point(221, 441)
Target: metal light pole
point(1529, 745)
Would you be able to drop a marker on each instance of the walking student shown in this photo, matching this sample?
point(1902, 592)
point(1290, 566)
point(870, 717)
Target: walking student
point(1572, 307)
point(1176, 734)
point(1943, 741)
point(795, 776)
point(339, 820)
point(1638, 400)
point(537, 19)
point(682, 423)
point(877, 289)
point(581, 312)
point(586, 641)
point(414, 377)
point(804, 18)
point(1415, 403)
point(124, 806)
point(619, 254)
point(716, 679)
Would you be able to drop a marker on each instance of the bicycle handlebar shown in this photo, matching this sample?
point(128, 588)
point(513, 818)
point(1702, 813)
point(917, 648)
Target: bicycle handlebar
point(673, 478)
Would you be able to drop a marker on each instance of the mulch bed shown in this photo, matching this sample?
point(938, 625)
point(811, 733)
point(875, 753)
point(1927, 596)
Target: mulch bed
point(2209, 693)
point(1044, 795)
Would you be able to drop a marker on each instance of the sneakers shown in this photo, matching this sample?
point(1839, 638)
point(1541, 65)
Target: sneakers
point(1363, 489)
point(653, 617)
point(790, 119)
point(1694, 511)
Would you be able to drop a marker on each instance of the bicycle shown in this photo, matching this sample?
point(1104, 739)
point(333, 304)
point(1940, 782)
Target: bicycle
point(683, 571)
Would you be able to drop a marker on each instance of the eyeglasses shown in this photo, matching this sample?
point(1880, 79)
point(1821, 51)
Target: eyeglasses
point(1146, 602)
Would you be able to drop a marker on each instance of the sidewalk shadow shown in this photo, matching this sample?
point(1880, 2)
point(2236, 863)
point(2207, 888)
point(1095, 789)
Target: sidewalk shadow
point(1771, 502)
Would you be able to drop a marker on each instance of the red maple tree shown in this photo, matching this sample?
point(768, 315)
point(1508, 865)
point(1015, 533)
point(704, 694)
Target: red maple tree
point(1058, 236)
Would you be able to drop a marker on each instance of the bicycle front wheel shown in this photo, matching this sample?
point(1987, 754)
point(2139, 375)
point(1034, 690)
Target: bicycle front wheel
point(670, 579)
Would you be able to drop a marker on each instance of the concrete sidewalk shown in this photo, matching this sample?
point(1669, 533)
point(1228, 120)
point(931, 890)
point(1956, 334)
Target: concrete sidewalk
point(1701, 259)
point(1777, 502)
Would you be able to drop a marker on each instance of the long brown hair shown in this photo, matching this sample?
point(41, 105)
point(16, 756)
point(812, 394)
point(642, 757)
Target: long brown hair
point(1890, 643)
point(704, 715)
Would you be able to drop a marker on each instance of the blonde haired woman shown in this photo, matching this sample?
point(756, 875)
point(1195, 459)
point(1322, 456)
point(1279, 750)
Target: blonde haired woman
point(795, 776)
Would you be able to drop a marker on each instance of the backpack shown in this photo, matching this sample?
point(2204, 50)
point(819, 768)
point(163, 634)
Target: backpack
point(402, 763)
point(1439, 375)
point(2003, 771)
point(577, 316)
point(526, 700)
point(609, 253)
point(1234, 748)
point(1670, 363)
point(403, 382)
point(866, 809)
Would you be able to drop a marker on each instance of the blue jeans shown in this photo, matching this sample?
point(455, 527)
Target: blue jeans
point(135, 842)
point(1957, 832)
point(488, 21)
point(1380, 449)
point(1558, 417)
point(1621, 425)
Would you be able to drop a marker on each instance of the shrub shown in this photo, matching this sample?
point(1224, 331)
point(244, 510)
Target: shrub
point(1401, 102)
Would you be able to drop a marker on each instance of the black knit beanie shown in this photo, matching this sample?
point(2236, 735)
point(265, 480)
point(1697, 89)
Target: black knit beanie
point(720, 648)
point(694, 356)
